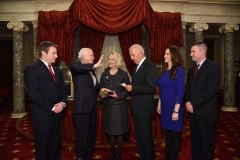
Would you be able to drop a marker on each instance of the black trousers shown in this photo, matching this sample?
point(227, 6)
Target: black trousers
point(144, 137)
point(202, 139)
point(85, 135)
point(48, 140)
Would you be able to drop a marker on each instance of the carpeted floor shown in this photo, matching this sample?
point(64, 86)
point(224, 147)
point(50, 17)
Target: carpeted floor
point(15, 146)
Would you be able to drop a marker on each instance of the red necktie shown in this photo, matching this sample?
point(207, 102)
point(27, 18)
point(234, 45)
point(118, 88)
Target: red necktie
point(50, 69)
point(196, 70)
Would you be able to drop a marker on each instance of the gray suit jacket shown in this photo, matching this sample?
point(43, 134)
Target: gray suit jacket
point(113, 83)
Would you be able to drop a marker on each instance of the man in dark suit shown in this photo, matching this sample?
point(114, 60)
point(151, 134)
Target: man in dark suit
point(84, 108)
point(48, 92)
point(203, 81)
point(143, 88)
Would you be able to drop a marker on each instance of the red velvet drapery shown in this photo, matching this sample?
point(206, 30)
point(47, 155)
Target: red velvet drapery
point(52, 27)
point(126, 39)
point(168, 31)
point(105, 16)
point(95, 43)
point(99, 15)
point(109, 17)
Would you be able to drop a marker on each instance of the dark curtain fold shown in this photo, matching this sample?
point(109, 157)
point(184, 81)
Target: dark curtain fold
point(126, 39)
point(90, 38)
point(52, 27)
point(168, 31)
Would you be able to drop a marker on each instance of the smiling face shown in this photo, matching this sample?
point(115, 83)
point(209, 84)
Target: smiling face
point(50, 56)
point(167, 56)
point(112, 61)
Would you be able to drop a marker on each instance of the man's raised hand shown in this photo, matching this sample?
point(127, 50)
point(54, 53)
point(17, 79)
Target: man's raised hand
point(99, 63)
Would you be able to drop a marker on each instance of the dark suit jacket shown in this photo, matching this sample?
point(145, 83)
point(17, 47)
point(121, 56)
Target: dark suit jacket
point(113, 83)
point(143, 89)
point(201, 91)
point(84, 90)
point(44, 92)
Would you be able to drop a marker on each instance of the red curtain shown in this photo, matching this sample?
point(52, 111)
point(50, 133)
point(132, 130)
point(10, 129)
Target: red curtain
point(90, 38)
point(52, 27)
point(106, 16)
point(126, 39)
point(168, 31)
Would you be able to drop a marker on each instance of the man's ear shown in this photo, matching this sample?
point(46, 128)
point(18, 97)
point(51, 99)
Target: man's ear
point(44, 53)
point(83, 56)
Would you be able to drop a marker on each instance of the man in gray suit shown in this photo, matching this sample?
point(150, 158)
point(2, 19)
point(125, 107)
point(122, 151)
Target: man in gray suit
point(143, 88)
point(84, 108)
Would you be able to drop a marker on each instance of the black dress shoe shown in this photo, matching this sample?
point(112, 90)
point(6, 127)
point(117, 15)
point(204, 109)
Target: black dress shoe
point(113, 156)
point(119, 157)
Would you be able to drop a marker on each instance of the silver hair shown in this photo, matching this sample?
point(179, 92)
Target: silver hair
point(82, 52)
point(137, 48)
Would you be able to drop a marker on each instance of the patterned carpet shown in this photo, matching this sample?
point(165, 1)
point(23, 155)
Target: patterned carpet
point(15, 146)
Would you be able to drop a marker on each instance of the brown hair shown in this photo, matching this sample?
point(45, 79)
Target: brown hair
point(201, 46)
point(45, 46)
point(176, 59)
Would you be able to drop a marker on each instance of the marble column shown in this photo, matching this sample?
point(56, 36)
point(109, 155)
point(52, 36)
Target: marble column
point(229, 80)
point(35, 48)
point(183, 48)
point(183, 52)
point(198, 28)
point(19, 106)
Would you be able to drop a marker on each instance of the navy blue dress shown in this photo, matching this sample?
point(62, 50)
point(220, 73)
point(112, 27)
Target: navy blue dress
point(171, 92)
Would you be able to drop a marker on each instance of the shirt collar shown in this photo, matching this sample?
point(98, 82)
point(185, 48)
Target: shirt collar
point(200, 64)
point(44, 62)
point(141, 61)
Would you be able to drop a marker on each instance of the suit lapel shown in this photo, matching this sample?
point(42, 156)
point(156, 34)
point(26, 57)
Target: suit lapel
point(140, 68)
point(45, 69)
point(56, 73)
point(202, 68)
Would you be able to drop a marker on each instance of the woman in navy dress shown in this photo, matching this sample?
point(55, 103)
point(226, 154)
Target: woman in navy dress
point(170, 105)
point(114, 105)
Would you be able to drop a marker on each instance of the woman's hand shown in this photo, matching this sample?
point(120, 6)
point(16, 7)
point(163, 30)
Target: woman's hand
point(159, 106)
point(103, 96)
point(105, 89)
point(114, 95)
point(175, 116)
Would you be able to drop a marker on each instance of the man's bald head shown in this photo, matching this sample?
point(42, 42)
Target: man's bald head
point(85, 55)
point(136, 52)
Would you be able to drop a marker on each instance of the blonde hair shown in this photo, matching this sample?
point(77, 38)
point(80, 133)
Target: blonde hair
point(118, 58)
